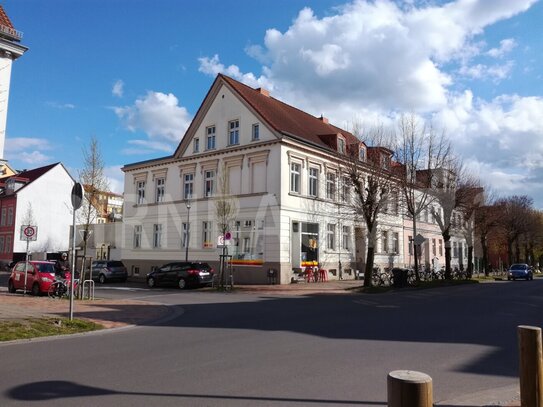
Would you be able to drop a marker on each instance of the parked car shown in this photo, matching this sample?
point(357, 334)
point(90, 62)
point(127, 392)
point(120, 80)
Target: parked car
point(181, 274)
point(520, 270)
point(39, 277)
point(108, 270)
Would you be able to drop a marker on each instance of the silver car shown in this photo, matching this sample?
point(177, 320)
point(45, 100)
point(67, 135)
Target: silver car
point(108, 270)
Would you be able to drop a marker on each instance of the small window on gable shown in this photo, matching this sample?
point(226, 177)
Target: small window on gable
point(196, 145)
point(340, 145)
point(256, 132)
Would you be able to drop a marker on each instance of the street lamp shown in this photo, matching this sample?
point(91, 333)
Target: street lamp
point(187, 239)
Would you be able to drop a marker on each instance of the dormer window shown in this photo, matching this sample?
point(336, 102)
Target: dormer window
point(362, 154)
point(385, 161)
point(340, 145)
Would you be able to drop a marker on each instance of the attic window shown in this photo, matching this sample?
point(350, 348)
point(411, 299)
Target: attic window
point(340, 145)
point(362, 154)
point(385, 161)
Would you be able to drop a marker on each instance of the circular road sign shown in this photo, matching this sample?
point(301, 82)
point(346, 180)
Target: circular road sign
point(29, 231)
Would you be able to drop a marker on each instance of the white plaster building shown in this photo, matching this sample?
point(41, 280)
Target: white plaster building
point(40, 197)
point(284, 172)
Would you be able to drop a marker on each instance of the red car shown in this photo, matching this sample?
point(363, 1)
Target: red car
point(39, 277)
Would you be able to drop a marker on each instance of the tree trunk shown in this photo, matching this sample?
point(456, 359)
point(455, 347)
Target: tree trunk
point(446, 240)
point(369, 267)
point(509, 251)
point(485, 264)
point(470, 261)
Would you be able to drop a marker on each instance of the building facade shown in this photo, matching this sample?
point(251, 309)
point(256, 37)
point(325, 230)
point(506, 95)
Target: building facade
point(282, 172)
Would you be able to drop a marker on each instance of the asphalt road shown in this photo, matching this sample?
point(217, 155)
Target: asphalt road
point(249, 350)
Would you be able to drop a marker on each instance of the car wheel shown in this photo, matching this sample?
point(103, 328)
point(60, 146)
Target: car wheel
point(102, 279)
point(11, 287)
point(151, 283)
point(35, 289)
point(182, 283)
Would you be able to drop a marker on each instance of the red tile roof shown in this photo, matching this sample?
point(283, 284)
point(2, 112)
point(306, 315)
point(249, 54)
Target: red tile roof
point(32, 175)
point(4, 19)
point(289, 120)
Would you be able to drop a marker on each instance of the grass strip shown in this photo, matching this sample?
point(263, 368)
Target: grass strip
point(39, 327)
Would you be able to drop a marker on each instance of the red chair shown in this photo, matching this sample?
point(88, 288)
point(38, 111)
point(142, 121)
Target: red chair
point(309, 274)
point(323, 275)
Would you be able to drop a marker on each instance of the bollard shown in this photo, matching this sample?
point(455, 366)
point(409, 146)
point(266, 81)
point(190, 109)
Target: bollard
point(407, 388)
point(531, 366)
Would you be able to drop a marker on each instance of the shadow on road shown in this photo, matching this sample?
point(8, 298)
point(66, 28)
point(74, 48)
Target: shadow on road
point(58, 390)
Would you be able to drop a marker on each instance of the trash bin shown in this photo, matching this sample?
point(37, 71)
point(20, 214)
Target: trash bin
point(399, 277)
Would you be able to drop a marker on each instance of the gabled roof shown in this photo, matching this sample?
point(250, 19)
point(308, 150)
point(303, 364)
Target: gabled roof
point(284, 119)
point(29, 176)
point(32, 175)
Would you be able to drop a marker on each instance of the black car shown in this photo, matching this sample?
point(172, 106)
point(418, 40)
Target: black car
point(108, 270)
point(181, 274)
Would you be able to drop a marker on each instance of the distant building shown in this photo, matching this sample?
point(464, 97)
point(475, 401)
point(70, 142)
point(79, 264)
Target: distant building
point(10, 50)
point(108, 206)
point(40, 197)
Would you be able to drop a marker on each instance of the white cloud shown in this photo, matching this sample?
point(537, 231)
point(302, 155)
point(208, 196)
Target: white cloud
point(118, 89)
point(146, 146)
point(34, 158)
point(158, 115)
point(61, 106)
point(373, 55)
point(506, 46)
point(17, 144)
point(484, 72)
point(115, 178)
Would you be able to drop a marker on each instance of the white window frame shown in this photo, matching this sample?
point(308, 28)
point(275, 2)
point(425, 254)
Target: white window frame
point(295, 177)
point(331, 236)
point(188, 185)
point(255, 132)
point(157, 235)
point(137, 236)
point(345, 237)
point(313, 182)
point(140, 188)
point(233, 132)
point(211, 138)
point(341, 145)
point(331, 185)
point(196, 145)
point(160, 189)
point(207, 235)
point(185, 228)
point(345, 190)
point(209, 183)
point(396, 242)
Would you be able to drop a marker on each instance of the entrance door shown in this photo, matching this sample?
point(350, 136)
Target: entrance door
point(310, 244)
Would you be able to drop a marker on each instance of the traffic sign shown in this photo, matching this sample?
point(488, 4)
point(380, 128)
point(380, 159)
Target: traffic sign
point(29, 232)
point(77, 195)
point(419, 239)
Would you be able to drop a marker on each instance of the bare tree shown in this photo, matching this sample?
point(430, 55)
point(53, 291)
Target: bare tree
point(226, 209)
point(421, 154)
point(372, 180)
point(486, 217)
point(94, 183)
point(514, 220)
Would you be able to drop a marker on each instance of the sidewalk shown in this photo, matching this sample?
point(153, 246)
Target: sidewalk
point(108, 313)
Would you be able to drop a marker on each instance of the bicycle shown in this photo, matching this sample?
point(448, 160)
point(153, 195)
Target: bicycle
point(59, 289)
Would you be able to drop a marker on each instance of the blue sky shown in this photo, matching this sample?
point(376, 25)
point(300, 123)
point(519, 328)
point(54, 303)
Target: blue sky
point(133, 74)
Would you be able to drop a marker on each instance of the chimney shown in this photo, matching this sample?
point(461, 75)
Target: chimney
point(324, 119)
point(263, 91)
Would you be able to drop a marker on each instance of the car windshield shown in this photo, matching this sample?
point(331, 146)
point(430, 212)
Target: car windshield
point(45, 267)
point(518, 267)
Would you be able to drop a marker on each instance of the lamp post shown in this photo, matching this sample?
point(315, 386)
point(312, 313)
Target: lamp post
point(187, 203)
